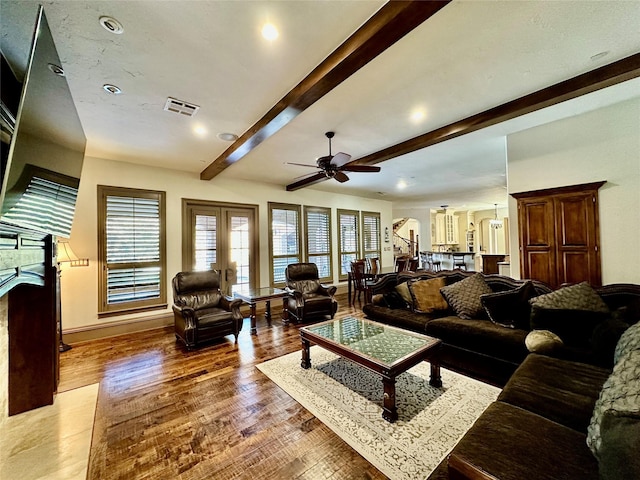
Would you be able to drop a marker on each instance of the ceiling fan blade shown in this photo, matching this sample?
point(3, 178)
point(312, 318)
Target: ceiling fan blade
point(341, 177)
point(301, 164)
point(340, 159)
point(305, 176)
point(305, 182)
point(360, 168)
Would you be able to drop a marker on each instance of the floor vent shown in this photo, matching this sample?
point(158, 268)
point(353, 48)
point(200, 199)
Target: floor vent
point(181, 107)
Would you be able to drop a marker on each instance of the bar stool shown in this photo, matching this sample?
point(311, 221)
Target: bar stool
point(458, 261)
point(434, 265)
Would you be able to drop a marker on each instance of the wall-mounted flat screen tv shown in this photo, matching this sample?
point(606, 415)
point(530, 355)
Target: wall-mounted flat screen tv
point(42, 174)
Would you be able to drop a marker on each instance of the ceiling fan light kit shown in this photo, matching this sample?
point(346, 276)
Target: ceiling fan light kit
point(331, 166)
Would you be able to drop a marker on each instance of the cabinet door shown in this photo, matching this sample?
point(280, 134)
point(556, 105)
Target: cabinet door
point(537, 239)
point(577, 253)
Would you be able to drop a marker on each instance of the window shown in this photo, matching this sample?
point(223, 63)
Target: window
point(371, 234)
point(284, 239)
point(131, 240)
point(348, 240)
point(317, 223)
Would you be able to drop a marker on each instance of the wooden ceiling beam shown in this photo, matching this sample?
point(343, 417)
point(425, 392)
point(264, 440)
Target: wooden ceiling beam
point(603, 77)
point(388, 25)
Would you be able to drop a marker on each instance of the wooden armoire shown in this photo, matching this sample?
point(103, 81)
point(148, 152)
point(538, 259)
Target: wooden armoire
point(559, 234)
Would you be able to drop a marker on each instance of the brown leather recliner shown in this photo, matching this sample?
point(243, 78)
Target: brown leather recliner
point(308, 297)
point(201, 312)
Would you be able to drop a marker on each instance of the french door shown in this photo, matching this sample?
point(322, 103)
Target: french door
point(223, 237)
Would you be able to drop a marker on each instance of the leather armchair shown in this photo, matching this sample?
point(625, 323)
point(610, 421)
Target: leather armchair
point(200, 311)
point(308, 297)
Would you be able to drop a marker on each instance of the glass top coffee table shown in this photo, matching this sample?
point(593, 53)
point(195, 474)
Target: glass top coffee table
point(385, 350)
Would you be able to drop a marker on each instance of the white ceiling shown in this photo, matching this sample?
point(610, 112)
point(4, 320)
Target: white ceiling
point(470, 56)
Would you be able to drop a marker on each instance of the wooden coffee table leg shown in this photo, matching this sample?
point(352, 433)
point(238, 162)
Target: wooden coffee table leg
point(306, 358)
point(254, 330)
point(435, 380)
point(267, 312)
point(389, 411)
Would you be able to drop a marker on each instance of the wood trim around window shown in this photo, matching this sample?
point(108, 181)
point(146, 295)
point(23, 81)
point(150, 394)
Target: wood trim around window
point(283, 206)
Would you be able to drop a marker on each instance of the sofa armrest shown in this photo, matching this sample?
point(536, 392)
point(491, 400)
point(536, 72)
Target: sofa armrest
point(460, 468)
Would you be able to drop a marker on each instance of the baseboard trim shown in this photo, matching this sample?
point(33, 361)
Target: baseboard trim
point(112, 329)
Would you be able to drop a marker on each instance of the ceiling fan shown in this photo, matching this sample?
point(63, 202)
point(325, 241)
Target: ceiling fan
point(331, 166)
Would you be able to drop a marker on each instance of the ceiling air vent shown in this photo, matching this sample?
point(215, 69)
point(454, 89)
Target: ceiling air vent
point(181, 107)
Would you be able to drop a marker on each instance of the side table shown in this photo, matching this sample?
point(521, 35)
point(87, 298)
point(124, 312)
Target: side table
point(263, 294)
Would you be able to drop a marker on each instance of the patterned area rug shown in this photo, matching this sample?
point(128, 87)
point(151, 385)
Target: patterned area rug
point(348, 399)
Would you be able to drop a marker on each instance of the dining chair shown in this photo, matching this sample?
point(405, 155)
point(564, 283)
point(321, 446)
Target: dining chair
point(401, 264)
point(360, 281)
point(374, 265)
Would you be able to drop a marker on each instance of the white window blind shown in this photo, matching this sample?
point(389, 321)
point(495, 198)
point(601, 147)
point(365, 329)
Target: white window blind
point(371, 234)
point(318, 239)
point(133, 249)
point(348, 240)
point(285, 239)
point(206, 241)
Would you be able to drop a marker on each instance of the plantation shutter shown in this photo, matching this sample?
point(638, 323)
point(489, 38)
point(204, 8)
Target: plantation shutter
point(318, 239)
point(371, 234)
point(134, 250)
point(285, 239)
point(348, 240)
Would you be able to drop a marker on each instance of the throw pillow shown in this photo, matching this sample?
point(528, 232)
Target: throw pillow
point(464, 296)
point(570, 312)
point(542, 341)
point(629, 341)
point(574, 327)
point(403, 291)
point(393, 300)
point(426, 295)
point(604, 339)
point(511, 308)
point(575, 297)
point(619, 401)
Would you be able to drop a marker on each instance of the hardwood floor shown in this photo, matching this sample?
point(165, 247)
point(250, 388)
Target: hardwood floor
point(164, 412)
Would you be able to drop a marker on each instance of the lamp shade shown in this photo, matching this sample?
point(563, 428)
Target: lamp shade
point(66, 254)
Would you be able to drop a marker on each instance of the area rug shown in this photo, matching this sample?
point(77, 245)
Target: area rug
point(348, 399)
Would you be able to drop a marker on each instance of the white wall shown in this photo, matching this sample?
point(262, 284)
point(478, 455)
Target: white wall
point(600, 145)
point(80, 284)
point(422, 225)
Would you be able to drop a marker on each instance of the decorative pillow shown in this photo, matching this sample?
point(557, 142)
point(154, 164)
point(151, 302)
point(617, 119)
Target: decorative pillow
point(542, 341)
point(426, 295)
point(629, 341)
point(511, 308)
point(619, 403)
point(403, 291)
point(575, 297)
point(604, 339)
point(464, 296)
point(574, 327)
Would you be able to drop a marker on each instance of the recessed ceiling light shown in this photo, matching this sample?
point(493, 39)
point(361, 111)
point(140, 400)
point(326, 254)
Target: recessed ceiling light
point(57, 69)
point(111, 25)
point(200, 130)
point(401, 184)
point(112, 89)
point(228, 137)
point(418, 116)
point(269, 31)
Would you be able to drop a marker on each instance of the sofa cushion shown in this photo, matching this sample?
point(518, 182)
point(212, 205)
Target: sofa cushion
point(619, 400)
point(543, 341)
point(426, 295)
point(510, 308)
point(604, 340)
point(575, 297)
point(464, 296)
point(482, 336)
point(397, 317)
point(560, 390)
point(629, 341)
point(619, 446)
point(510, 443)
